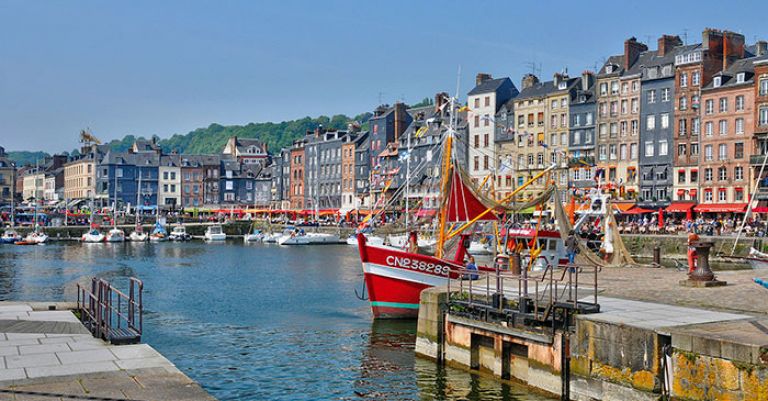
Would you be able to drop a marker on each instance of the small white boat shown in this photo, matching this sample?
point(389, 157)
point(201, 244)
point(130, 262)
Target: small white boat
point(93, 236)
point(293, 238)
point(138, 236)
point(10, 236)
point(115, 235)
point(254, 236)
point(36, 237)
point(271, 238)
point(215, 233)
point(179, 233)
point(401, 241)
point(757, 260)
point(369, 239)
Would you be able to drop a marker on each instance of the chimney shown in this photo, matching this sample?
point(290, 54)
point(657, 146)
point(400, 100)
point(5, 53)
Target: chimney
point(632, 49)
point(482, 77)
point(667, 43)
point(761, 48)
point(529, 80)
point(587, 79)
point(557, 78)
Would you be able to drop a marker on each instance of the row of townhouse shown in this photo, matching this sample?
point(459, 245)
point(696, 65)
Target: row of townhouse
point(349, 170)
point(145, 178)
point(679, 123)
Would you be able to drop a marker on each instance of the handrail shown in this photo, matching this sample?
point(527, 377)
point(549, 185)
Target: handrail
point(104, 308)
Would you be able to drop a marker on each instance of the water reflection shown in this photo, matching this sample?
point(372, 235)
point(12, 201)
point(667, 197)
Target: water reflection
point(256, 321)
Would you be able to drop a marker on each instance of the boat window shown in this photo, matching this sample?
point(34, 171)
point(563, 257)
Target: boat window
point(552, 245)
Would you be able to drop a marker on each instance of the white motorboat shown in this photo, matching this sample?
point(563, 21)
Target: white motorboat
point(115, 235)
point(10, 236)
point(36, 237)
point(254, 236)
point(271, 238)
point(322, 238)
point(369, 239)
point(757, 260)
point(179, 233)
point(215, 233)
point(93, 236)
point(293, 238)
point(401, 241)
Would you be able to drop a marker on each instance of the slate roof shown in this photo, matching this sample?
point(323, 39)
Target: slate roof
point(728, 77)
point(543, 89)
point(488, 86)
point(618, 61)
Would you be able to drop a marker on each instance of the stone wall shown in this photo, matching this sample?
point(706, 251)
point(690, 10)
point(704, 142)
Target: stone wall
point(676, 245)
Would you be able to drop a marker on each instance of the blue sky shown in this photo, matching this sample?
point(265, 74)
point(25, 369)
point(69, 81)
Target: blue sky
point(166, 67)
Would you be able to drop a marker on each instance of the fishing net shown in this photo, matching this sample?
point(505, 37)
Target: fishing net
point(620, 256)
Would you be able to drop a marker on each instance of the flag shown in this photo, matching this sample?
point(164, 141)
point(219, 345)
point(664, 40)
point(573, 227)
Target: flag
point(543, 145)
point(464, 108)
point(421, 131)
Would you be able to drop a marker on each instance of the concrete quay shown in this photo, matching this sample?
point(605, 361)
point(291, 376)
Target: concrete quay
point(650, 338)
point(47, 354)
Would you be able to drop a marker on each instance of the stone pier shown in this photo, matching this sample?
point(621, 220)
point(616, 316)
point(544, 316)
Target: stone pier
point(49, 355)
point(631, 350)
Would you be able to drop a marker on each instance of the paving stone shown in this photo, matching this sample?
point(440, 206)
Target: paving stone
point(43, 349)
point(15, 308)
point(12, 374)
point(93, 355)
point(24, 341)
point(140, 363)
point(134, 351)
point(27, 361)
point(86, 345)
point(71, 369)
point(22, 336)
point(5, 351)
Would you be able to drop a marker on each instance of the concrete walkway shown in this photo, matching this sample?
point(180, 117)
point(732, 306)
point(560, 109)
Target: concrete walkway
point(49, 355)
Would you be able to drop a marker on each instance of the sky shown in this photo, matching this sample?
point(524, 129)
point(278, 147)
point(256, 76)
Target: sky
point(167, 67)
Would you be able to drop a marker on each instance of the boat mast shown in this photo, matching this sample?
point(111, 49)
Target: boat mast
point(114, 205)
point(446, 181)
point(749, 206)
point(37, 172)
point(138, 198)
point(407, 180)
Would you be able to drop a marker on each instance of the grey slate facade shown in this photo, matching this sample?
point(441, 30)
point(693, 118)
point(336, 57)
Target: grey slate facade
point(581, 134)
point(656, 140)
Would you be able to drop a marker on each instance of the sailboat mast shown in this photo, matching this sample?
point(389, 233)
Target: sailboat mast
point(37, 172)
point(446, 180)
point(407, 181)
point(114, 205)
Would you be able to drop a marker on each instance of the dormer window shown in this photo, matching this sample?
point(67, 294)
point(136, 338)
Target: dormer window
point(562, 85)
point(740, 77)
point(608, 68)
point(717, 82)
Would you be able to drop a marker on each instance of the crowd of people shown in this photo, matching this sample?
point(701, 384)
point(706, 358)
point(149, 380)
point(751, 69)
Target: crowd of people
point(719, 225)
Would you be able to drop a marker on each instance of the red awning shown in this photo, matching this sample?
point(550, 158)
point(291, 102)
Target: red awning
point(680, 191)
point(680, 207)
point(638, 210)
point(693, 192)
point(760, 209)
point(721, 208)
point(426, 213)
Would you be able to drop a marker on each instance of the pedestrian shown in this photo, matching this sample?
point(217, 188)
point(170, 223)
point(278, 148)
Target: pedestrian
point(473, 267)
point(571, 246)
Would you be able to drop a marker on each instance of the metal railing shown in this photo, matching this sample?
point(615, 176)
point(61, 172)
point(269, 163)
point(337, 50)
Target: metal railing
point(109, 313)
point(553, 287)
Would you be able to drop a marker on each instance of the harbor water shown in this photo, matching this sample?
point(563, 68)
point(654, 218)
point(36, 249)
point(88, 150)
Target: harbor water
point(255, 321)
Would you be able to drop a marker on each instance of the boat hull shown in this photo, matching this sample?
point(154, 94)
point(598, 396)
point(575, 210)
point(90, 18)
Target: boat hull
point(758, 263)
point(395, 278)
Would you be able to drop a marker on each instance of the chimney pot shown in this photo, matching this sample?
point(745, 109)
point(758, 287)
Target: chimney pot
point(529, 80)
point(632, 50)
point(761, 48)
point(482, 77)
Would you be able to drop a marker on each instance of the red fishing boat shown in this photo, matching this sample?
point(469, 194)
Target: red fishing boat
point(395, 277)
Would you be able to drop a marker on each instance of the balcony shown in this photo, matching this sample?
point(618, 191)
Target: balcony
point(757, 160)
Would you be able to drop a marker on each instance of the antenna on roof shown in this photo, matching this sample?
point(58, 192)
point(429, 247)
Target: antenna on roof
point(534, 67)
point(685, 36)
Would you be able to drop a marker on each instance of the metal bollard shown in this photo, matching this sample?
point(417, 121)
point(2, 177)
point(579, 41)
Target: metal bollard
point(514, 263)
point(657, 255)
